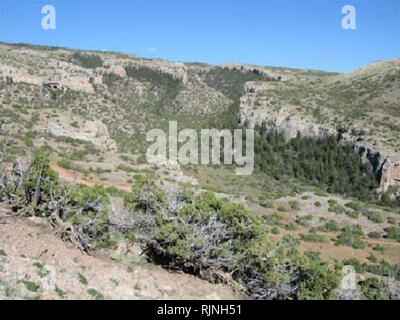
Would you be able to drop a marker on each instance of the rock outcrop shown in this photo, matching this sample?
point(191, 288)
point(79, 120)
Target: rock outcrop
point(95, 132)
point(259, 109)
point(390, 174)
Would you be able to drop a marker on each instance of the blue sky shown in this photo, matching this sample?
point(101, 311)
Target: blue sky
point(305, 34)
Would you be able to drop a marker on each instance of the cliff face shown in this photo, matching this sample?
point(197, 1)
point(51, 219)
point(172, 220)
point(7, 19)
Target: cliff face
point(267, 103)
point(27, 65)
point(390, 174)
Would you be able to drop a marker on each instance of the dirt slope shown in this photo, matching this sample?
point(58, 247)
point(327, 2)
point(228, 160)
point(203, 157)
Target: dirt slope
point(36, 264)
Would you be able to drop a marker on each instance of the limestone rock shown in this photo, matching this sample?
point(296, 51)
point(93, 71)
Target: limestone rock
point(95, 132)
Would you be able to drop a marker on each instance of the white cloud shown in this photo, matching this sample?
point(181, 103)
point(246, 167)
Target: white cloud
point(153, 49)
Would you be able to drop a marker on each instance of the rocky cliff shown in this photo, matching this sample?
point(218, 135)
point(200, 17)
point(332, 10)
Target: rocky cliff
point(303, 107)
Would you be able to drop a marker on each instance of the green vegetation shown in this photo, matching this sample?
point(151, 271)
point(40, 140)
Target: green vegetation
point(115, 192)
point(72, 141)
point(313, 237)
point(275, 230)
point(30, 286)
point(99, 171)
point(95, 294)
point(82, 279)
point(83, 209)
point(281, 208)
point(168, 85)
point(356, 206)
point(294, 205)
point(207, 232)
point(392, 233)
point(381, 268)
point(330, 226)
point(137, 286)
point(379, 248)
point(62, 294)
point(351, 236)
point(374, 289)
point(353, 214)
point(374, 235)
point(323, 162)
point(372, 258)
point(231, 82)
point(273, 219)
point(41, 270)
point(266, 204)
point(373, 216)
point(89, 61)
point(69, 165)
point(126, 168)
point(89, 149)
point(290, 227)
point(336, 208)
point(111, 80)
point(391, 220)
point(66, 164)
point(29, 138)
point(304, 220)
point(320, 193)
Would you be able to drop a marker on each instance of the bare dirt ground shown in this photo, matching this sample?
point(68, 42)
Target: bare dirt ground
point(75, 177)
point(36, 264)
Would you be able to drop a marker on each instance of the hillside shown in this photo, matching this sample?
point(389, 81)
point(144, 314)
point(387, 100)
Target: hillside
point(362, 106)
point(36, 264)
point(326, 183)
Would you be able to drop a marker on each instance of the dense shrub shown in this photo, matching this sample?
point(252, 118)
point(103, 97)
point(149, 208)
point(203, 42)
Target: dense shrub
point(359, 267)
point(337, 208)
point(294, 205)
point(313, 237)
point(353, 214)
point(319, 282)
point(65, 163)
point(89, 61)
point(391, 220)
point(384, 269)
point(374, 216)
point(168, 85)
point(110, 79)
point(330, 226)
point(305, 220)
point(211, 237)
point(374, 235)
point(273, 219)
point(356, 206)
point(266, 204)
point(79, 214)
point(374, 289)
point(230, 82)
point(324, 162)
point(393, 233)
point(351, 236)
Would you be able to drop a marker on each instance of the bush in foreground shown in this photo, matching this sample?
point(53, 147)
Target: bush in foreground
point(220, 241)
